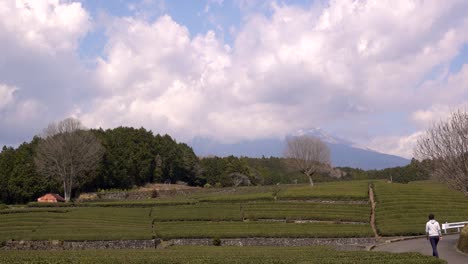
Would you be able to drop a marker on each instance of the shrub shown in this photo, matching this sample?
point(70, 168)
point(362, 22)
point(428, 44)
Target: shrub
point(463, 240)
point(216, 241)
point(207, 186)
point(276, 191)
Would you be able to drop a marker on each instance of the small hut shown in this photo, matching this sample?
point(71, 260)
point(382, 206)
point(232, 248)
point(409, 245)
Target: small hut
point(50, 198)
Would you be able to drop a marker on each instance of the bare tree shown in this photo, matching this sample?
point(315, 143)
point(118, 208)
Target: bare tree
point(446, 145)
point(309, 154)
point(67, 151)
point(239, 178)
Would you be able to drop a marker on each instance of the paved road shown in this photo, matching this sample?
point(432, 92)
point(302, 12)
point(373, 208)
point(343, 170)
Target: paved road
point(447, 248)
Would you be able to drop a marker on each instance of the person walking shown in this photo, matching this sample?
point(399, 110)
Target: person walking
point(433, 234)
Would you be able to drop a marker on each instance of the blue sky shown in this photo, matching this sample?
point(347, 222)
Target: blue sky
point(198, 16)
point(377, 73)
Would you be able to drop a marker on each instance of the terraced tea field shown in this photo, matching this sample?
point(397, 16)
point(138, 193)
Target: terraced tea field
point(402, 209)
point(198, 220)
point(226, 213)
point(350, 190)
point(263, 210)
point(217, 255)
point(198, 229)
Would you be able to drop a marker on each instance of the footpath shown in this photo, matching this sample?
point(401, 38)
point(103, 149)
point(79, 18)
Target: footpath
point(447, 248)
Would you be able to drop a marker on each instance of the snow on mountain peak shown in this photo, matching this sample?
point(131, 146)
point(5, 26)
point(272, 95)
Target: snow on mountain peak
point(319, 133)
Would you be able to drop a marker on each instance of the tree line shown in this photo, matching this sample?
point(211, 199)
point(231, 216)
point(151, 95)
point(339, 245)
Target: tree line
point(129, 157)
point(415, 171)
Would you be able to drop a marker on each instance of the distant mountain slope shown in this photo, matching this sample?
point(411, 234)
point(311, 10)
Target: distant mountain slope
point(348, 156)
point(343, 153)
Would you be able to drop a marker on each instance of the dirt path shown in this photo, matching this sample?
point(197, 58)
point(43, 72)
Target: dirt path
point(372, 217)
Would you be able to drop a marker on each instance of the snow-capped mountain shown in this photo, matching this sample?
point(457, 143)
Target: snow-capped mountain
point(344, 153)
point(324, 136)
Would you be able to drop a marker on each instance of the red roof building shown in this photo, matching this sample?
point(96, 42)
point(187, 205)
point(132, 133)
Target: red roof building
point(50, 198)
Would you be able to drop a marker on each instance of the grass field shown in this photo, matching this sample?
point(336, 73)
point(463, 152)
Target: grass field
point(402, 209)
point(217, 255)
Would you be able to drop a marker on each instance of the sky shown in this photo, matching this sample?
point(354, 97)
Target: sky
point(376, 72)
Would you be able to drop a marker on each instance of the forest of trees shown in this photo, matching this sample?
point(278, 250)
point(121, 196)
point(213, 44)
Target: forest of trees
point(134, 157)
point(415, 171)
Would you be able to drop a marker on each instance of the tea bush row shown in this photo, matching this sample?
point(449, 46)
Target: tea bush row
point(263, 210)
point(217, 255)
point(402, 209)
point(169, 230)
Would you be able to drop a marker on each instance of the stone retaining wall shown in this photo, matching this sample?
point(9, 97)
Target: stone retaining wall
point(279, 242)
point(145, 244)
point(78, 245)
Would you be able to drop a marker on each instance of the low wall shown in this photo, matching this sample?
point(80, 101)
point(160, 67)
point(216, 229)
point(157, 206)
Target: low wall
point(79, 245)
point(279, 242)
point(146, 244)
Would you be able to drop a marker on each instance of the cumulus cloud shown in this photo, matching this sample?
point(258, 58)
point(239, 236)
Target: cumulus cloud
point(428, 117)
point(293, 68)
point(300, 67)
point(50, 25)
point(45, 77)
point(6, 95)
point(402, 146)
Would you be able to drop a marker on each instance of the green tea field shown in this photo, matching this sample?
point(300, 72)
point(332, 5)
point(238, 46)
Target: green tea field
point(217, 255)
point(402, 209)
point(327, 210)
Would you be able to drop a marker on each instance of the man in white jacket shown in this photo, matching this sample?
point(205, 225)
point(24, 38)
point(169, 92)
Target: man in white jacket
point(433, 234)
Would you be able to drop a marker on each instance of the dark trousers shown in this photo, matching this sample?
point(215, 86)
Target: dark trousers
point(434, 241)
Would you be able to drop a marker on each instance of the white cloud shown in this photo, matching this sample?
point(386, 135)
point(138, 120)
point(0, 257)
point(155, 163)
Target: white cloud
point(434, 114)
point(6, 95)
point(157, 76)
point(442, 97)
point(298, 68)
point(51, 25)
point(397, 145)
point(148, 9)
point(39, 41)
